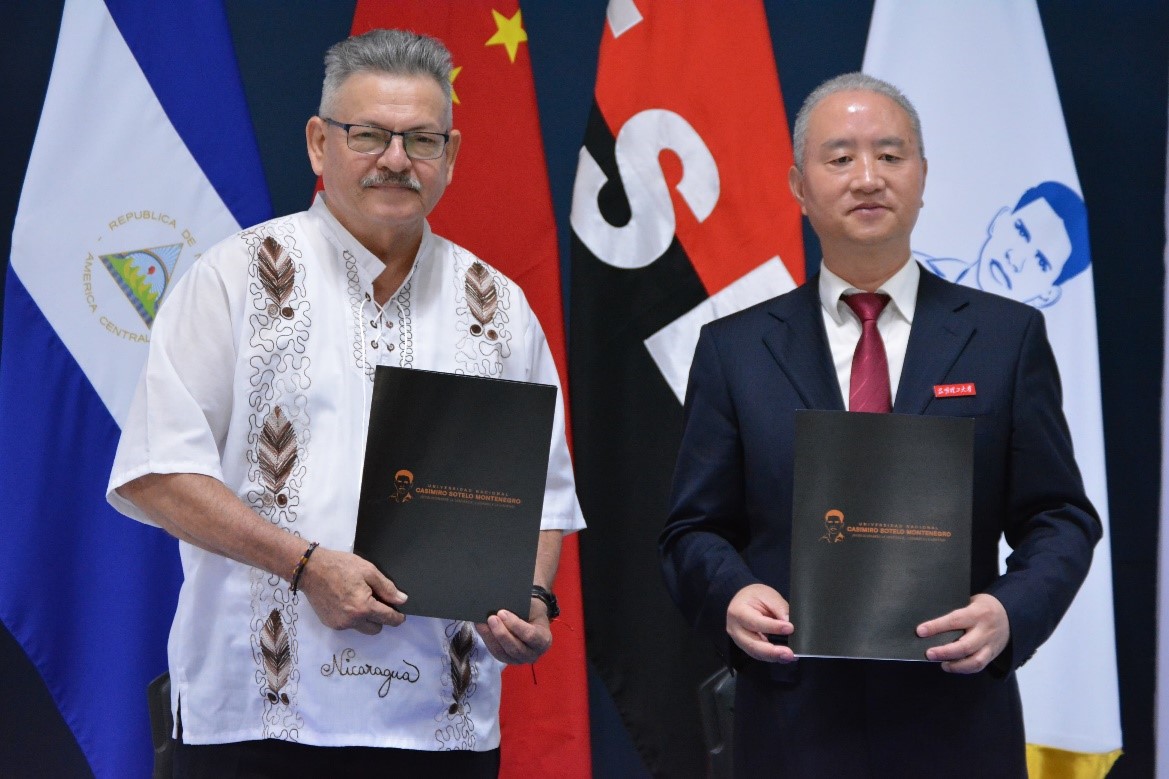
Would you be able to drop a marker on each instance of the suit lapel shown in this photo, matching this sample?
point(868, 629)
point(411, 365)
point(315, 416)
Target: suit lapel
point(800, 347)
point(941, 330)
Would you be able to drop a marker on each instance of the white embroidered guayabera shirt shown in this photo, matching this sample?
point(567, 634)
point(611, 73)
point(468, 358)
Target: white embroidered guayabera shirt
point(260, 374)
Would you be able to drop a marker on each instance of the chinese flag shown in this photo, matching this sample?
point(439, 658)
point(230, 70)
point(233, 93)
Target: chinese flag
point(499, 207)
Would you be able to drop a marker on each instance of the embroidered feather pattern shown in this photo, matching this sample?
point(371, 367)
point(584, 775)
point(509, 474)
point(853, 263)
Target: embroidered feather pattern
point(462, 645)
point(274, 268)
point(482, 297)
point(277, 653)
point(277, 455)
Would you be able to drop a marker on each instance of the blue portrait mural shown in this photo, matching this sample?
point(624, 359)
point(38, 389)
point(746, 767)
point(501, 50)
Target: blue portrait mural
point(1030, 250)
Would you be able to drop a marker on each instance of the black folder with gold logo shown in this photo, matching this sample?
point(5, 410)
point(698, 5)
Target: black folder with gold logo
point(880, 531)
point(453, 489)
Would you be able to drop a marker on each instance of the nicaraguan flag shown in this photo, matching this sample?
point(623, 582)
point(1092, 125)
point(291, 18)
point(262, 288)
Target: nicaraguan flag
point(1004, 212)
point(144, 157)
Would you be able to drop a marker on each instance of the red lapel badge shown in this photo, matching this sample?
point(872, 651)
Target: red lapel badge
point(954, 390)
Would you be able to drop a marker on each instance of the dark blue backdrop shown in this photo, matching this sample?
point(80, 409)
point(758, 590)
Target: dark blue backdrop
point(1112, 67)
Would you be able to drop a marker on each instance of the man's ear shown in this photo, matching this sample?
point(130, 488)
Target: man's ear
point(795, 181)
point(925, 168)
point(451, 152)
point(314, 136)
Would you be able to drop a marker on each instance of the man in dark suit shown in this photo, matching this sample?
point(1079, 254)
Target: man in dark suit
point(859, 177)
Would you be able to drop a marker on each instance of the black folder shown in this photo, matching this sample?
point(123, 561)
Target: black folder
point(880, 531)
point(453, 489)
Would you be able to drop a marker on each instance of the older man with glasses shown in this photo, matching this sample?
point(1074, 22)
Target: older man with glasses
point(246, 441)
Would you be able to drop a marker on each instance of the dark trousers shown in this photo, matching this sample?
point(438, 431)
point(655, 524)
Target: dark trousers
point(285, 759)
point(872, 719)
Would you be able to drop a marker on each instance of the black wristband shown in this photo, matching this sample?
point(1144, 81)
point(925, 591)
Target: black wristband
point(294, 580)
point(549, 600)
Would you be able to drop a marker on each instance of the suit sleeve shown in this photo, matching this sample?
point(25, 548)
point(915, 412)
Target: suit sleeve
point(1051, 526)
point(707, 527)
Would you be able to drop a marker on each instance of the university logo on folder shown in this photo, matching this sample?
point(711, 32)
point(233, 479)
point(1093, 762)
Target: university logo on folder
point(1004, 213)
point(681, 213)
point(144, 157)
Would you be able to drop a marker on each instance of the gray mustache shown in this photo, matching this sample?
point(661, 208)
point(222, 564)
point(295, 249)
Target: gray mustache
point(390, 177)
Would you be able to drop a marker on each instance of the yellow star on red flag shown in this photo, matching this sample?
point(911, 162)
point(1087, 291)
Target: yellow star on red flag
point(453, 76)
point(509, 33)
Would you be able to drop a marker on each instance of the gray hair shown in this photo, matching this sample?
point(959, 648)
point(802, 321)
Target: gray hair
point(396, 52)
point(850, 82)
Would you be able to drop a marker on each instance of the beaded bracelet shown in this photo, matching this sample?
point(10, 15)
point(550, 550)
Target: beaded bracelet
point(299, 569)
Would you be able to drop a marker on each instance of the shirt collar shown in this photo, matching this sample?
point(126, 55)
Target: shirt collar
point(369, 264)
point(901, 288)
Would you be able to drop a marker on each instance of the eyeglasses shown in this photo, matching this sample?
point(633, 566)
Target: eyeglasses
point(419, 144)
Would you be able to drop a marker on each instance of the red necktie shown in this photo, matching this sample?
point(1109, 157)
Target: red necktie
point(868, 389)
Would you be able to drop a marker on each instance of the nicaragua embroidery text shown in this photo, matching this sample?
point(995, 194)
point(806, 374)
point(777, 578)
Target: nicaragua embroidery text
point(345, 665)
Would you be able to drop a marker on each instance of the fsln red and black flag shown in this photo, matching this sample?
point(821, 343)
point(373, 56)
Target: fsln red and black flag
point(681, 213)
point(499, 206)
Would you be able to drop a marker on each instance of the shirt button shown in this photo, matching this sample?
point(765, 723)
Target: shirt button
point(389, 324)
point(373, 343)
point(389, 347)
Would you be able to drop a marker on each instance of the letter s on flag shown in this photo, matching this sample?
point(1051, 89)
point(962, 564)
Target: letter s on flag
point(651, 224)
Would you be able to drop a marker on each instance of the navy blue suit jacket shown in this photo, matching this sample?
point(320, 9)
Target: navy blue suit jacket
point(730, 526)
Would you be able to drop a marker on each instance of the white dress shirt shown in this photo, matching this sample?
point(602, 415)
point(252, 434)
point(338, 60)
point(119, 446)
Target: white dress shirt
point(844, 326)
point(229, 356)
